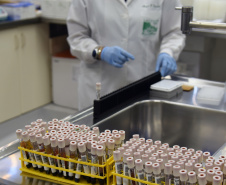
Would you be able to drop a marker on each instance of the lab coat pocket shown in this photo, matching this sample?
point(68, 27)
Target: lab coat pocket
point(150, 15)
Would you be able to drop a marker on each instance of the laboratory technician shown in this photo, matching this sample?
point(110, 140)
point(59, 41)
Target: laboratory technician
point(121, 41)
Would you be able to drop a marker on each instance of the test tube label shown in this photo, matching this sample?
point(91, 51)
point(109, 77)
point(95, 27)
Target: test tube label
point(176, 181)
point(32, 159)
point(52, 163)
point(94, 168)
point(38, 159)
point(63, 163)
point(59, 164)
point(85, 167)
point(71, 167)
point(149, 177)
point(45, 161)
point(79, 168)
point(141, 177)
point(25, 157)
point(158, 180)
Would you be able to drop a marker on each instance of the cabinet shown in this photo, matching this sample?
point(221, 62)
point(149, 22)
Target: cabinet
point(25, 69)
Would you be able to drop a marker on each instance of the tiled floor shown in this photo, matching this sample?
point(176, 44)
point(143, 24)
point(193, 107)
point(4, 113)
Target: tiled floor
point(47, 113)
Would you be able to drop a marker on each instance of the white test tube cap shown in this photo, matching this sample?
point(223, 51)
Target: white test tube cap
point(96, 130)
point(202, 179)
point(160, 152)
point(100, 150)
point(117, 138)
point(219, 173)
point(142, 140)
point(163, 148)
point(192, 177)
point(53, 141)
point(168, 168)
point(218, 164)
point(188, 166)
point(189, 154)
point(136, 136)
point(160, 161)
point(117, 155)
point(201, 170)
point(95, 137)
point(126, 146)
point(158, 143)
point(205, 156)
point(61, 142)
point(130, 162)
point(133, 140)
point(25, 136)
point(19, 133)
point(216, 168)
point(175, 158)
point(148, 167)
point(149, 141)
point(46, 140)
point(98, 86)
point(114, 131)
point(139, 164)
point(141, 151)
point(180, 163)
point(111, 144)
point(148, 152)
point(210, 173)
point(122, 133)
point(195, 158)
point(73, 146)
point(183, 175)
point(164, 157)
point(144, 158)
point(122, 150)
point(208, 166)
point(197, 166)
point(27, 127)
point(217, 180)
point(32, 137)
point(94, 149)
point(82, 147)
point(125, 155)
point(152, 159)
point(156, 168)
point(192, 150)
point(176, 147)
point(176, 170)
point(137, 155)
point(39, 139)
point(89, 143)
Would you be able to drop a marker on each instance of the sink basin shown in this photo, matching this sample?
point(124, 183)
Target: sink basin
point(173, 123)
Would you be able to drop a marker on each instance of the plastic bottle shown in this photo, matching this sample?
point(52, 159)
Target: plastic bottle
point(48, 150)
point(73, 155)
point(157, 173)
point(100, 155)
point(168, 170)
point(149, 171)
point(125, 168)
point(118, 166)
point(131, 166)
point(54, 147)
point(183, 177)
point(176, 174)
point(202, 179)
point(139, 170)
point(94, 169)
point(62, 153)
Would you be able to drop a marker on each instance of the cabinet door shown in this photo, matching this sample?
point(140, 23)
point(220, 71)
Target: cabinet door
point(34, 66)
point(10, 105)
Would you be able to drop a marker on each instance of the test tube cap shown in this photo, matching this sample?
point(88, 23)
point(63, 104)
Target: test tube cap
point(195, 158)
point(148, 152)
point(93, 149)
point(142, 140)
point(32, 137)
point(145, 158)
point(117, 155)
point(148, 167)
point(61, 142)
point(158, 143)
point(152, 159)
point(183, 175)
point(217, 180)
point(176, 170)
point(160, 161)
point(164, 157)
point(166, 145)
point(100, 150)
point(219, 173)
point(139, 164)
point(180, 163)
point(53, 141)
point(137, 155)
point(122, 150)
point(89, 143)
point(25, 136)
point(73, 146)
point(126, 146)
point(188, 166)
point(202, 179)
point(130, 162)
point(150, 141)
point(192, 177)
point(197, 166)
point(95, 137)
point(117, 138)
point(156, 168)
point(210, 173)
point(114, 131)
point(175, 158)
point(96, 130)
point(46, 140)
point(111, 144)
point(19, 133)
point(208, 166)
point(39, 138)
point(205, 156)
point(201, 170)
point(176, 147)
point(27, 127)
point(122, 133)
point(125, 155)
point(168, 168)
point(136, 136)
point(218, 164)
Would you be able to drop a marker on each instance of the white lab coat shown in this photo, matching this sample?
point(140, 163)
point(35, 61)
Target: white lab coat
point(144, 28)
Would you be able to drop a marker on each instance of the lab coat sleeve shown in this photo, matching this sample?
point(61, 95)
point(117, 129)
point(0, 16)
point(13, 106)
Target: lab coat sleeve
point(172, 39)
point(81, 44)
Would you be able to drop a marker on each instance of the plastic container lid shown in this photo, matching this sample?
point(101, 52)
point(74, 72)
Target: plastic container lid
point(94, 149)
point(46, 140)
point(183, 175)
point(192, 177)
point(168, 168)
point(39, 138)
point(100, 150)
point(125, 155)
point(148, 167)
point(139, 164)
point(61, 143)
point(73, 146)
point(210, 173)
point(188, 167)
point(156, 168)
point(19, 133)
point(130, 162)
point(202, 179)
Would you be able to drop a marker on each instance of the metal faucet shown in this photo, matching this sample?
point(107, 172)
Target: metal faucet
point(187, 22)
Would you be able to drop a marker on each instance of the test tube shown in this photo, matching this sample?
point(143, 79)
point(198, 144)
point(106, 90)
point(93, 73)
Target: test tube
point(131, 166)
point(139, 170)
point(48, 150)
point(183, 177)
point(168, 170)
point(157, 173)
point(149, 171)
point(202, 179)
point(54, 146)
point(118, 166)
point(73, 155)
point(62, 153)
point(192, 178)
point(160, 161)
point(22, 144)
point(100, 155)
point(35, 148)
point(125, 168)
point(176, 174)
point(93, 161)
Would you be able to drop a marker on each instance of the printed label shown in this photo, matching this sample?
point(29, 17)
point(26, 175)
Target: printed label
point(176, 181)
point(85, 167)
point(32, 158)
point(45, 161)
point(126, 173)
point(71, 167)
point(141, 177)
point(25, 157)
point(89, 154)
point(52, 163)
point(79, 167)
point(158, 180)
point(149, 177)
point(118, 169)
point(93, 168)
point(38, 159)
point(59, 164)
point(63, 163)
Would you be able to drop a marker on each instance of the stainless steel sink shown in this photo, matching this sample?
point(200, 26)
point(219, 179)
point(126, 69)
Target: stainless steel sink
point(174, 123)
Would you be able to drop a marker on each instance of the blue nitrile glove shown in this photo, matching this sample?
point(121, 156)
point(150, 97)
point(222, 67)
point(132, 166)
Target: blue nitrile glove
point(166, 64)
point(115, 56)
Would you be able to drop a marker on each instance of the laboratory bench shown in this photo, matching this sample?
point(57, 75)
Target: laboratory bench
point(180, 119)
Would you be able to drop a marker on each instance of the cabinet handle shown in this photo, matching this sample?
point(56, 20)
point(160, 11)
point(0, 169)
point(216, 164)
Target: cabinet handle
point(16, 40)
point(23, 41)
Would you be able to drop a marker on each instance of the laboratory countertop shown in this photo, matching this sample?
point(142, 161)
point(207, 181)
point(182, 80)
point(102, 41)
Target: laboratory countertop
point(9, 154)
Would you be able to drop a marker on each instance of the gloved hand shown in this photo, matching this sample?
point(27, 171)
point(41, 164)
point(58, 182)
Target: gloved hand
point(166, 64)
point(115, 56)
